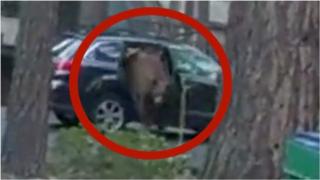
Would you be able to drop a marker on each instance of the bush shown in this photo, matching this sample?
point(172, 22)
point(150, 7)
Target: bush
point(76, 155)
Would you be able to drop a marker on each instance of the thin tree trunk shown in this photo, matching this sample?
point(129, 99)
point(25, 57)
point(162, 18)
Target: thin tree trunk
point(68, 13)
point(203, 9)
point(274, 48)
point(92, 12)
point(25, 140)
point(190, 8)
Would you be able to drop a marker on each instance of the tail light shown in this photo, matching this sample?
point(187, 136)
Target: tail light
point(63, 66)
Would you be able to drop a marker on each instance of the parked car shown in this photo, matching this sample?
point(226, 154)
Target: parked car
point(104, 91)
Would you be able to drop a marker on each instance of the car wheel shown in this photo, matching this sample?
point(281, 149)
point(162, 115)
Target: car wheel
point(109, 113)
point(67, 120)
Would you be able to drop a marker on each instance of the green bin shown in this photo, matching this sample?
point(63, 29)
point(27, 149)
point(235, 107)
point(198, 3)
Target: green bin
point(302, 156)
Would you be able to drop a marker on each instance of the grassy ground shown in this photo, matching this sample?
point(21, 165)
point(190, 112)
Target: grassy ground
point(76, 155)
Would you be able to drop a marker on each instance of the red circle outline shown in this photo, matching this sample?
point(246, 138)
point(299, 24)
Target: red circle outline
point(159, 154)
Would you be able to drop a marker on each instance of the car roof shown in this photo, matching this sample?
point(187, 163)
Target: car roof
point(137, 40)
point(133, 39)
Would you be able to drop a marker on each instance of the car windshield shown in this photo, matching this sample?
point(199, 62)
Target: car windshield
point(191, 61)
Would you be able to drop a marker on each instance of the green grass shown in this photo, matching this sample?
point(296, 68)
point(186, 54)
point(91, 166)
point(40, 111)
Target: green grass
point(77, 155)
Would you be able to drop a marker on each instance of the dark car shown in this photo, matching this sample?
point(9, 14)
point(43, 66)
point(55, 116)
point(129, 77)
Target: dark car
point(104, 91)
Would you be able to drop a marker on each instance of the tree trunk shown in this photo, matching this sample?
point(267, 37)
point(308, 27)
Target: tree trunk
point(92, 12)
point(203, 9)
point(274, 49)
point(25, 140)
point(190, 8)
point(68, 14)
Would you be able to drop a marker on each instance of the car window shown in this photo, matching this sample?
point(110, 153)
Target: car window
point(105, 52)
point(61, 46)
point(69, 52)
point(192, 61)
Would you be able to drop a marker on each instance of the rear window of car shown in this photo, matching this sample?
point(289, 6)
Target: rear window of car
point(69, 51)
point(61, 46)
point(105, 51)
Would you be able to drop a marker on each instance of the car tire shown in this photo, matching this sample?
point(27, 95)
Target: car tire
point(109, 111)
point(67, 121)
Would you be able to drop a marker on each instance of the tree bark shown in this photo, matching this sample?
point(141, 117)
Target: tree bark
point(92, 12)
point(25, 140)
point(190, 8)
point(68, 14)
point(203, 9)
point(274, 49)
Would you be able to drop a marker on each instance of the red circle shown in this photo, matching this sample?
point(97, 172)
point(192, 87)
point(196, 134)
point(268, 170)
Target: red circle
point(159, 154)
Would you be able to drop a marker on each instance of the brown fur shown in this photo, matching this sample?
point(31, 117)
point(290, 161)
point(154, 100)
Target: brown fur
point(148, 79)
